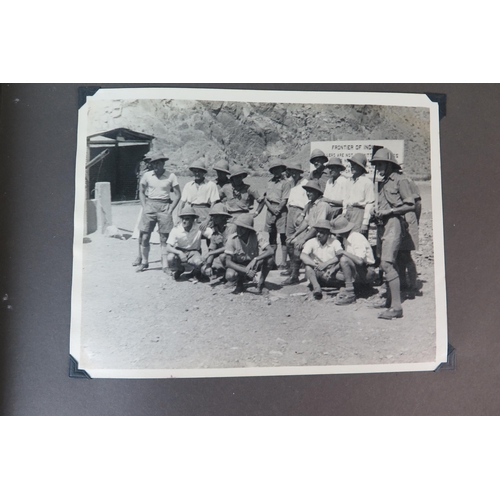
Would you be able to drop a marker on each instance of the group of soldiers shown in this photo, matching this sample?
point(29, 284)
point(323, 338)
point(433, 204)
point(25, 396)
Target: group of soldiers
point(321, 216)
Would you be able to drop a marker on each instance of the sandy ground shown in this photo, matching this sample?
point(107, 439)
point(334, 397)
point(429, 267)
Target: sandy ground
point(146, 320)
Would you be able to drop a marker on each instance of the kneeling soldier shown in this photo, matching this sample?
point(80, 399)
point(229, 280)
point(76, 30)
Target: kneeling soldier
point(316, 209)
point(355, 259)
point(215, 260)
point(319, 255)
point(184, 244)
point(247, 253)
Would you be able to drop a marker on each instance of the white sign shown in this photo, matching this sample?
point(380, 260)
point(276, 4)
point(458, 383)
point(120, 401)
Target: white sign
point(346, 149)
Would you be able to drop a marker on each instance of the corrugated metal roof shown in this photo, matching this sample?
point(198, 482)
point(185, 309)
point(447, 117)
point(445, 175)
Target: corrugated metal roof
point(123, 134)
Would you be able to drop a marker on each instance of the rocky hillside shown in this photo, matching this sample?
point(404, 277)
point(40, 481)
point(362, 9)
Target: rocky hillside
point(250, 134)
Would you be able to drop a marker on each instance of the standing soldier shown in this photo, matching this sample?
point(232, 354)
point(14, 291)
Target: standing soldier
point(200, 194)
point(275, 199)
point(360, 195)
point(155, 190)
point(297, 201)
point(319, 161)
point(238, 197)
point(222, 170)
point(140, 170)
point(336, 186)
point(394, 199)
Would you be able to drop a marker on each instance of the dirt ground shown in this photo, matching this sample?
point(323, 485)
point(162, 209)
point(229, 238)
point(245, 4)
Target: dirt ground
point(146, 320)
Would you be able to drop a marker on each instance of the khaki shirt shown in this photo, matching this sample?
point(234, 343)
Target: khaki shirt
point(395, 191)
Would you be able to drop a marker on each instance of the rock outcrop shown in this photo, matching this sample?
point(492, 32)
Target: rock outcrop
point(249, 134)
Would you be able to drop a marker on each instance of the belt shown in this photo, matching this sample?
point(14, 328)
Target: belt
point(295, 206)
point(238, 211)
point(205, 205)
point(186, 250)
point(159, 201)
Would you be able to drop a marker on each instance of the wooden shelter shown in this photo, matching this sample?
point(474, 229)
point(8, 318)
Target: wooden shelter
point(115, 156)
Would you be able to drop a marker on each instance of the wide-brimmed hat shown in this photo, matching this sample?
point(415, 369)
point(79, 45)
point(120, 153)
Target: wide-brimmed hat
point(335, 162)
point(317, 153)
point(246, 221)
point(222, 166)
point(188, 211)
point(314, 185)
point(237, 170)
point(155, 156)
point(360, 160)
point(341, 225)
point(277, 163)
point(295, 165)
point(323, 224)
point(385, 154)
point(219, 209)
point(198, 165)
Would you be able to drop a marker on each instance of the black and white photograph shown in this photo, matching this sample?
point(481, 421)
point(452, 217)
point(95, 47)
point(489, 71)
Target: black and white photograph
point(226, 233)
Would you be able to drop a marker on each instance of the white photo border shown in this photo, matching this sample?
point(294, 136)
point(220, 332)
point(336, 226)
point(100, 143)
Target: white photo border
point(274, 96)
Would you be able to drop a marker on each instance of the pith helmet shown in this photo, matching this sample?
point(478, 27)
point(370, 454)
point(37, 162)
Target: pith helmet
point(222, 166)
point(277, 164)
point(335, 162)
point(219, 209)
point(238, 171)
point(198, 165)
point(385, 154)
point(360, 160)
point(341, 225)
point(155, 156)
point(323, 224)
point(295, 166)
point(246, 221)
point(317, 154)
point(313, 185)
point(188, 211)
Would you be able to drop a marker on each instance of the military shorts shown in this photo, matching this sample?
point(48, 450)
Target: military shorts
point(156, 212)
point(389, 239)
point(294, 218)
point(275, 221)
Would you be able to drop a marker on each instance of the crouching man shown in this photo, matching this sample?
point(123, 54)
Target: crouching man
point(355, 259)
point(247, 253)
point(215, 259)
point(184, 244)
point(319, 256)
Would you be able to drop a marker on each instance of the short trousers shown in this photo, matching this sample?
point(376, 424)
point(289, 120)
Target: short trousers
point(328, 276)
point(258, 268)
point(294, 218)
point(273, 221)
point(156, 212)
point(356, 216)
point(192, 257)
point(201, 212)
point(389, 238)
point(364, 274)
